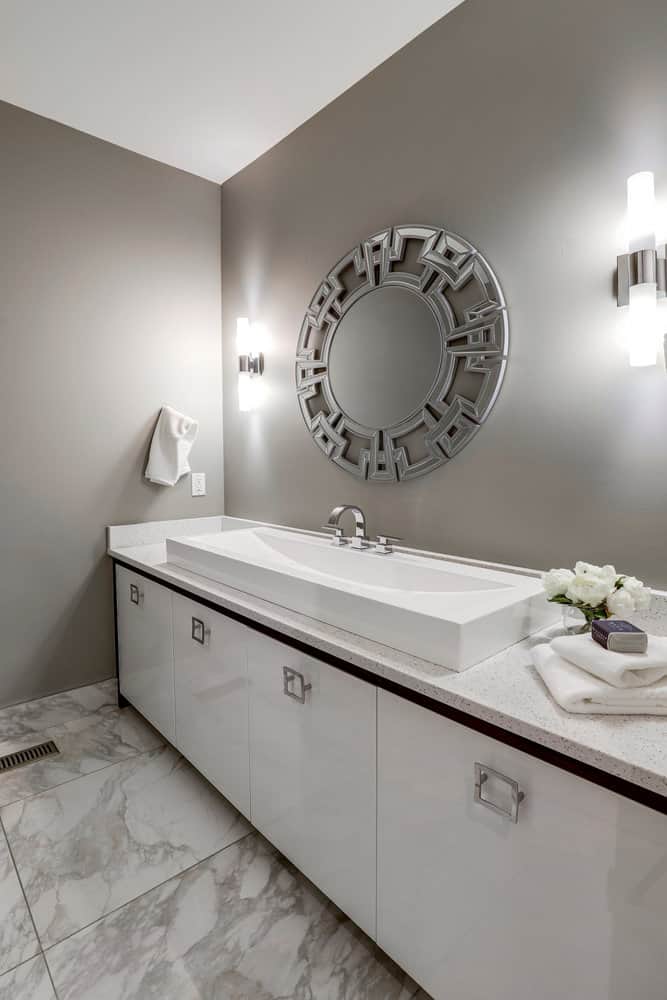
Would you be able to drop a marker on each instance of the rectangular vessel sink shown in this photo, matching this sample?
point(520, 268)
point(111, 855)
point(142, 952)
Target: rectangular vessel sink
point(450, 613)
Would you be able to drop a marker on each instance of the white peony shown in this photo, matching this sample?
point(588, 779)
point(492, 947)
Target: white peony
point(607, 573)
point(591, 585)
point(620, 602)
point(584, 590)
point(637, 592)
point(556, 582)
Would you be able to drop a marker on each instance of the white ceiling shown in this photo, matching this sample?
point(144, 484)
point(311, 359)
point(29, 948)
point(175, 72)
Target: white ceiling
point(205, 85)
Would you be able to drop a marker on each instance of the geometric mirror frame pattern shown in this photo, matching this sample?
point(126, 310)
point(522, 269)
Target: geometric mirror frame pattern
point(459, 286)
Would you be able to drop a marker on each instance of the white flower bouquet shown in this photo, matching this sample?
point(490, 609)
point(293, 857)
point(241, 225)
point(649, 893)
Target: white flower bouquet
point(596, 591)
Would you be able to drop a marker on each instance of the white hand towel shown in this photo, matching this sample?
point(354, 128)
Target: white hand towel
point(173, 438)
point(577, 691)
point(623, 670)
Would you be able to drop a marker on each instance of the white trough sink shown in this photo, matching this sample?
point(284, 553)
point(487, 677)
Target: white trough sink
point(447, 612)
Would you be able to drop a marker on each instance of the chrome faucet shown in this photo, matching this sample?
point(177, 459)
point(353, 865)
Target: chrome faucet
point(359, 541)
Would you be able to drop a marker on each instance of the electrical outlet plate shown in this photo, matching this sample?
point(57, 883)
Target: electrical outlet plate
point(199, 484)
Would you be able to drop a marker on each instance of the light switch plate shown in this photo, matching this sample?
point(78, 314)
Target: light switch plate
point(199, 484)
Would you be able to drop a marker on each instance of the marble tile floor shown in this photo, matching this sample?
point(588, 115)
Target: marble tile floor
point(125, 876)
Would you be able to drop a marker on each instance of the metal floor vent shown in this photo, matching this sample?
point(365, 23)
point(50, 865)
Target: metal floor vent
point(28, 756)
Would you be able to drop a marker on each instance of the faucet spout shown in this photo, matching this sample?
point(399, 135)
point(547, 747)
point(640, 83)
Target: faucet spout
point(359, 541)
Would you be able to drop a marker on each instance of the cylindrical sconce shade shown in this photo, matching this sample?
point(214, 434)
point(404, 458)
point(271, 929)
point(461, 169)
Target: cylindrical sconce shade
point(246, 402)
point(641, 211)
point(243, 335)
point(643, 323)
point(643, 313)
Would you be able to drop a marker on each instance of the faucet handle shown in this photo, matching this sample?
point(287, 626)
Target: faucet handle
point(384, 543)
point(338, 537)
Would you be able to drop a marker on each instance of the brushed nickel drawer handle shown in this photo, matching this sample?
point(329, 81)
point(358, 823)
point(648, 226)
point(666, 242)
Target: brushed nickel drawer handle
point(294, 685)
point(200, 632)
point(482, 775)
point(136, 596)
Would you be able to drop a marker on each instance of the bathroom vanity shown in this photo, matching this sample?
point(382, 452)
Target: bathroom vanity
point(491, 845)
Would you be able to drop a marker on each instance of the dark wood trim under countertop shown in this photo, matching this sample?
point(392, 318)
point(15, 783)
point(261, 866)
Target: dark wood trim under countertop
point(621, 786)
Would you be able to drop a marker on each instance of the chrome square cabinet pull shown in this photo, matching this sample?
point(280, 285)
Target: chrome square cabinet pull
point(482, 775)
point(135, 594)
point(199, 631)
point(294, 685)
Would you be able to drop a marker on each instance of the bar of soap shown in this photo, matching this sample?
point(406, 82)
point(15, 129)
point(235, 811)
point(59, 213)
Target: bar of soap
point(619, 636)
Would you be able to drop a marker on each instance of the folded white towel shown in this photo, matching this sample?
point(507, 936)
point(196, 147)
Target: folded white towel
point(577, 691)
point(173, 438)
point(623, 670)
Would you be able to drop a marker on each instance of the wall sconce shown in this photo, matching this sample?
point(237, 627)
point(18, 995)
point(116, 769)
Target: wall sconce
point(249, 345)
point(642, 272)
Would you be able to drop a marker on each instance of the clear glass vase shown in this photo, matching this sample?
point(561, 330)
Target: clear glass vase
point(576, 622)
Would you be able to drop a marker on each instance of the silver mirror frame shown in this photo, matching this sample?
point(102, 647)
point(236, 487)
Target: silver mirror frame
point(476, 342)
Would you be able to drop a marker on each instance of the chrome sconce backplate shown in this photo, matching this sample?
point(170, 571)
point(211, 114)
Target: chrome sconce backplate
point(639, 268)
point(251, 364)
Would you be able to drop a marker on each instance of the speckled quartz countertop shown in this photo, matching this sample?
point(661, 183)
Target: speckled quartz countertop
point(503, 690)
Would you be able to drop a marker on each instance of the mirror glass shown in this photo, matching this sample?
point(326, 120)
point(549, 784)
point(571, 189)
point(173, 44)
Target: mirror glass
point(385, 356)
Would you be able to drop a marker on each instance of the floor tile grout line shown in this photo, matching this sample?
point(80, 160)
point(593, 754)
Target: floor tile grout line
point(50, 975)
point(38, 939)
point(158, 885)
point(77, 777)
point(28, 961)
point(21, 886)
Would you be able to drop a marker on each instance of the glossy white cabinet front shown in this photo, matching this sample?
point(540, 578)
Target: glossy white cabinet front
point(211, 680)
point(568, 904)
point(313, 771)
point(145, 648)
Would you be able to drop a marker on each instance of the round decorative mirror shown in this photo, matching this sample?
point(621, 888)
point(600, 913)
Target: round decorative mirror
point(402, 353)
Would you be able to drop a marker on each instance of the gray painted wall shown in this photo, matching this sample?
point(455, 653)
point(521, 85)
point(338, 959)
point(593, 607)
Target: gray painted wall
point(516, 125)
point(109, 307)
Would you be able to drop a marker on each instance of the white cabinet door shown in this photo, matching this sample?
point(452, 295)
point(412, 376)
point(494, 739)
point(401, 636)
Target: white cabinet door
point(313, 771)
point(568, 904)
point(145, 648)
point(211, 681)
